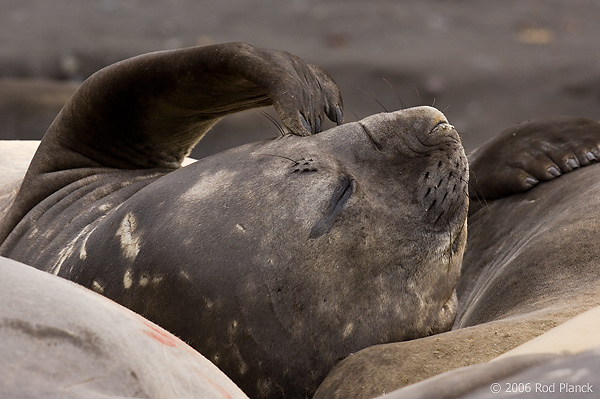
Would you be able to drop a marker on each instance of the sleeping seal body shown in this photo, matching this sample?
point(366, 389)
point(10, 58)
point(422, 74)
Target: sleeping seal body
point(275, 260)
point(278, 259)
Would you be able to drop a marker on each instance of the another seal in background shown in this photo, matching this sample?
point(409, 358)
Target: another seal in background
point(60, 340)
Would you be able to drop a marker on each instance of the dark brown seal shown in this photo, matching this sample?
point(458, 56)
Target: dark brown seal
point(276, 259)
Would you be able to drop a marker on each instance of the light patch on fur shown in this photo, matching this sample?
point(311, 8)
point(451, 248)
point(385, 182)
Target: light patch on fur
point(157, 280)
point(219, 181)
point(96, 286)
point(33, 233)
point(240, 227)
point(63, 255)
point(67, 251)
point(412, 288)
point(185, 275)
point(83, 249)
point(48, 234)
point(130, 241)
point(144, 280)
point(128, 279)
point(233, 331)
point(83, 252)
point(348, 330)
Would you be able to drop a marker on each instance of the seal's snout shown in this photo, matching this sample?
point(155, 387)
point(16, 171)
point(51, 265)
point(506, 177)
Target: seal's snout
point(410, 131)
point(444, 128)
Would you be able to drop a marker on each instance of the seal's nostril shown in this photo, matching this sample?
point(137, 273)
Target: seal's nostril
point(442, 125)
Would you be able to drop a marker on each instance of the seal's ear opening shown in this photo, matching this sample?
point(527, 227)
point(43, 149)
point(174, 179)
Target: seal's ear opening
point(340, 196)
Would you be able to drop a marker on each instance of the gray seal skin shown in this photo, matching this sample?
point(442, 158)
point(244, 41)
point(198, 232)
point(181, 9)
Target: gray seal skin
point(276, 259)
point(531, 262)
point(59, 340)
point(539, 377)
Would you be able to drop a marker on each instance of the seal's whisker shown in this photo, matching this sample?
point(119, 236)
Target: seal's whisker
point(376, 100)
point(396, 93)
point(282, 156)
point(356, 116)
point(433, 103)
point(466, 193)
point(273, 121)
point(475, 190)
point(466, 188)
point(418, 94)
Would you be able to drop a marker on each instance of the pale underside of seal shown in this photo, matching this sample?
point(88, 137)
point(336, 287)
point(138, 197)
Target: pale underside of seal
point(60, 340)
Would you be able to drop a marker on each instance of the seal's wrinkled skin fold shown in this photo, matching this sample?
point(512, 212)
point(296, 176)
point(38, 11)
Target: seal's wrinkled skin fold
point(276, 259)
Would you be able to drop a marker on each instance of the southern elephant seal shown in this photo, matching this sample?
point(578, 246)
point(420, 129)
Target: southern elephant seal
point(531, 261)
point(275, 259)
point(60, 340)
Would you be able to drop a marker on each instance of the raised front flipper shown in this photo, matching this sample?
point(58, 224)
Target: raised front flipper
point(541, 149)
point(149, 111)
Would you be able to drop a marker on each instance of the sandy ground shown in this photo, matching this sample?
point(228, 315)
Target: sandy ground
point(487, 65)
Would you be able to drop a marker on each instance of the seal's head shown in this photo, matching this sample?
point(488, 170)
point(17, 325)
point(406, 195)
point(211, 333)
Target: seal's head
point(383, 203)
point(422, 176)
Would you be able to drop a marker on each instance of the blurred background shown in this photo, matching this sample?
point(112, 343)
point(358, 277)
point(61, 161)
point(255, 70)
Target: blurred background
point(486, 65)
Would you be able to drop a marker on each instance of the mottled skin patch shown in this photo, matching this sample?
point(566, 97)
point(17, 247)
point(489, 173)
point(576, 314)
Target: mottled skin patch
point(314, 246)
point(130, 240)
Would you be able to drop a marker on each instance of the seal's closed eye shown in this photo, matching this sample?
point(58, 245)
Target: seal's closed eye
point(339, 198)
